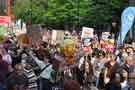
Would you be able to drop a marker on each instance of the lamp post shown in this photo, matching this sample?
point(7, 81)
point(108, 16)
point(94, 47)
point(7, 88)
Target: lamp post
point(8, 8)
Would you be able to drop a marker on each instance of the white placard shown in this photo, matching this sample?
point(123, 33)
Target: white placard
point(57, 36)
point(54, 36)
point(87, 32)
point(105, 35)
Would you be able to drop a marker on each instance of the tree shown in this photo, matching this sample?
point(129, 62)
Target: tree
point(23, 10)
point(102, 12)
point(69, 14)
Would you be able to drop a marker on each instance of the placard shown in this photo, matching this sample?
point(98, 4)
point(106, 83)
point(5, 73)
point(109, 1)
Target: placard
point(87, 32)
point(57, 36)
point(105, 35)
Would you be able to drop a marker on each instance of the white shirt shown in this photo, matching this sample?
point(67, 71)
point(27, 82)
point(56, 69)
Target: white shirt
point(47, 72)
point(124, 85)
point(81, 61)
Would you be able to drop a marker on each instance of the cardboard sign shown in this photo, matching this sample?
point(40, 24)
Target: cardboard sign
point(57, 35)
point(87, 32)
point(105, 35)
point(25, 39)
point(54, 35)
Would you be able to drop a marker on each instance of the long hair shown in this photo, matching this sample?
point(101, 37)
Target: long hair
point(86, 59)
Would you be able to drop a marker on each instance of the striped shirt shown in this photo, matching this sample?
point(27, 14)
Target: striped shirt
point(32, 79)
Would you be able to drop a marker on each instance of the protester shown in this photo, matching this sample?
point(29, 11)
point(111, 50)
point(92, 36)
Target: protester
point(94, 64)
point(98, 66)
point(111, 74)
point(71, 85)
point(17, 80)
point(3, 73)
point(6, 57)
point(32, 78)
point(46, 70)
point(124, 78)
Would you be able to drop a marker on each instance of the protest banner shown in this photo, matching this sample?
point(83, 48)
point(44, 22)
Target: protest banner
point(87, 32)
point(5, 20)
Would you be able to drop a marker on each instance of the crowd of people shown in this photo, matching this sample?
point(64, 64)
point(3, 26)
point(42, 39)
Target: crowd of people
point(44, 66)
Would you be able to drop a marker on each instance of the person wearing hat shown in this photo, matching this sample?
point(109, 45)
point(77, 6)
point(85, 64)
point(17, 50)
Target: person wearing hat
point(17, 80)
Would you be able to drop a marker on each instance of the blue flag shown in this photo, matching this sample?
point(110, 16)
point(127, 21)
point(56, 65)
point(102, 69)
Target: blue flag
point(127, 20)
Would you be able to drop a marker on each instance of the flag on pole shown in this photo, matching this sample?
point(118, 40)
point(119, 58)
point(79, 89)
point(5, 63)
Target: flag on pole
point(127, 20)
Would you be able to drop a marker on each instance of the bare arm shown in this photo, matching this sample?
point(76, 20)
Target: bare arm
point(106, 79)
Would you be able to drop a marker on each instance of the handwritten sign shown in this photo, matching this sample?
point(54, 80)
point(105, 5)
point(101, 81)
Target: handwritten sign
point(87, 32)
point(105, 35)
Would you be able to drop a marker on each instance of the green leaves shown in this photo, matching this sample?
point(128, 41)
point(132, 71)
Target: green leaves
point(72, 13)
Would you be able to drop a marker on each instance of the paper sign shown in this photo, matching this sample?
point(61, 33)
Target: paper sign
point(57, 35)
point(87, 32)
point(105, 35)
point(54, 35)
